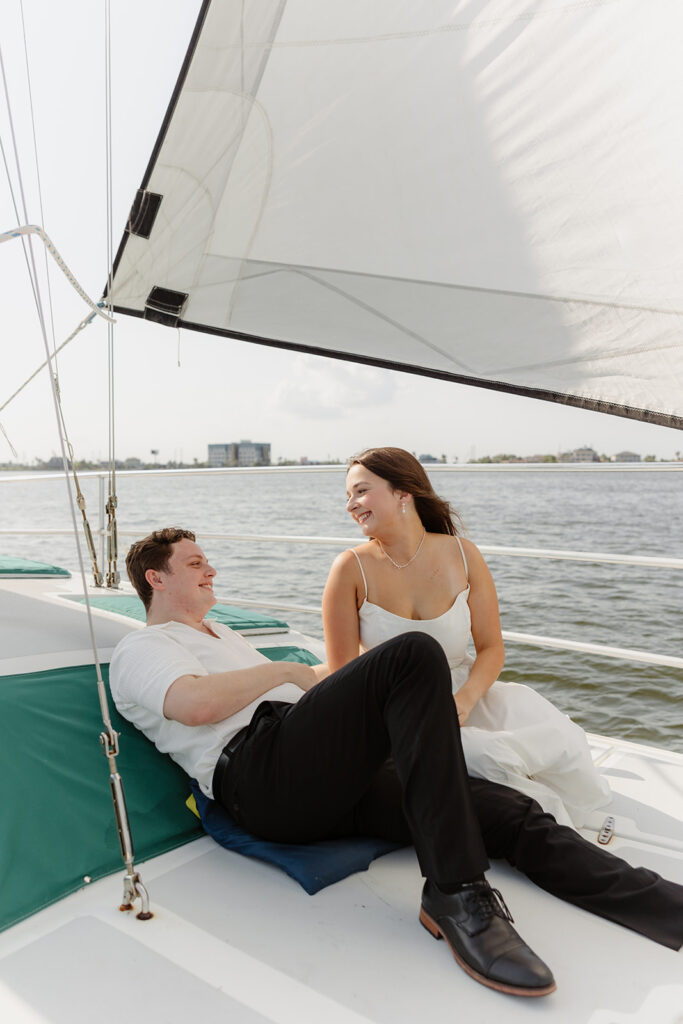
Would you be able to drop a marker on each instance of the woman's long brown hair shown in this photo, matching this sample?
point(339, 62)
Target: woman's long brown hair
point(403, 472)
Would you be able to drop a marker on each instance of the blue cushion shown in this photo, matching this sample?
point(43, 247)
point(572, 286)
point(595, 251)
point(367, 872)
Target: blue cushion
point(312, 865)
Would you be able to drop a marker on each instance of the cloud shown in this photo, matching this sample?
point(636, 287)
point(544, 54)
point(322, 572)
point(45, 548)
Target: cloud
point(322, 389)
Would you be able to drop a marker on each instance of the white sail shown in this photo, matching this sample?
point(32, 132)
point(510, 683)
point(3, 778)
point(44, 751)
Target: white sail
point(484, 190)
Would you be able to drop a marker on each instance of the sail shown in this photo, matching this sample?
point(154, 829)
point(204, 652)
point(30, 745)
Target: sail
point(486, 191)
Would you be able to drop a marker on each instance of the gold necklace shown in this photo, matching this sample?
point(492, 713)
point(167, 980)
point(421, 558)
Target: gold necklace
point(387, 555)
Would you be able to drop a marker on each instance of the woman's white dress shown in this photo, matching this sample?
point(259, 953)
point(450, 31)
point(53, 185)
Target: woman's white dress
point(513, 735)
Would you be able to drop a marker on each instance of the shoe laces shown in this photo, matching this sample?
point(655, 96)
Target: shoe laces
point(485, 902)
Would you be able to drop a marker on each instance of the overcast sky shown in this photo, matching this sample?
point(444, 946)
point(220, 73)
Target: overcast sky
point(222, 390)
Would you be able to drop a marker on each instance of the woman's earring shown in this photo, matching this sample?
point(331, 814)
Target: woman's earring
point(403, 507)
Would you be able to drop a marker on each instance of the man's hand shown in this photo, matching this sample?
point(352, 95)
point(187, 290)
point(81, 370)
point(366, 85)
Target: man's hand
point(310, 675)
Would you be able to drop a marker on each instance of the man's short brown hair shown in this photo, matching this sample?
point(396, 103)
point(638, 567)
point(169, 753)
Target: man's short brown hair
point(152, 552)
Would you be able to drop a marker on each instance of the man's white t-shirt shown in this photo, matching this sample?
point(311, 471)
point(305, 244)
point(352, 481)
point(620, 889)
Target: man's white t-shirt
point(145, 664)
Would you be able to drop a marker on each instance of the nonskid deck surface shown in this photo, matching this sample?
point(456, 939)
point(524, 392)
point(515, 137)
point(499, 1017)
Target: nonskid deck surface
point(235, 939)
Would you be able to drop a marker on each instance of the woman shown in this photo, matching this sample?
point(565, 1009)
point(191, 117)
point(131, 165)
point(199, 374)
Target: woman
point(418, 574)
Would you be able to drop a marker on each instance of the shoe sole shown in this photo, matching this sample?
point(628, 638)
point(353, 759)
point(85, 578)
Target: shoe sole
point(512, 990)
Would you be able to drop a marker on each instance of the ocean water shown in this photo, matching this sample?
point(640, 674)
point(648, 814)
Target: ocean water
point(623, 606)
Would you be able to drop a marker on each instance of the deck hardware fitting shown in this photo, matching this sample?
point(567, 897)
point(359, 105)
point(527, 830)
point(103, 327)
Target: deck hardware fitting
point(132, 883)
point(607, 831)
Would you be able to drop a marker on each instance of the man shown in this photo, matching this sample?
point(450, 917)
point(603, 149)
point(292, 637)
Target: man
point(296, 756)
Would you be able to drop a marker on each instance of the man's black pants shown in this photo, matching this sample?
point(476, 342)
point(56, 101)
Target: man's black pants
point(320, 768)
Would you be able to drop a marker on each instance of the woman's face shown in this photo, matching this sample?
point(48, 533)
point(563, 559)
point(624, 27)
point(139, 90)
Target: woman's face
point(371, 500)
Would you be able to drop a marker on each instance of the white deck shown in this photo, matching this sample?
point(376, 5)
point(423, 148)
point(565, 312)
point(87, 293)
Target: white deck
point(234, 940)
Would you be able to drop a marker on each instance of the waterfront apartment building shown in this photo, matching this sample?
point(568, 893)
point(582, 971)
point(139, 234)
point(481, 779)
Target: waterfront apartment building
point(239, 453)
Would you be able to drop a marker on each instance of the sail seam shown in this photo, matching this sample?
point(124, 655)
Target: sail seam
point(457, 286)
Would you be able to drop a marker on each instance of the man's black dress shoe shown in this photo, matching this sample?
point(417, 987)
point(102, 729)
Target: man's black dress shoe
point(476, 925)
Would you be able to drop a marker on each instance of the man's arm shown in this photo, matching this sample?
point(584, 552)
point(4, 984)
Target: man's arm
point(202, 700)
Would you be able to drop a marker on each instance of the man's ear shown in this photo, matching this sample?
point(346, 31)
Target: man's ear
point(154, 579)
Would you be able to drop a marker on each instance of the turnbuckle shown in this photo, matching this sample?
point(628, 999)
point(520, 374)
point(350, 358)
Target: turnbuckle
point(110, 742)
point(132, 883)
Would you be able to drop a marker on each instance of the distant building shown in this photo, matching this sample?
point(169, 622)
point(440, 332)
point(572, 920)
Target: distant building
point(580, 455)
point(239, 453)
point(626, 457)
point(250, 453)
point(222, 455)
point(427, 458)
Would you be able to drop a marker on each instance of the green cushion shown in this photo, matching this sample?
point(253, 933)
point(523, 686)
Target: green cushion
point(23, 568)
point(131, 607)
point(57, 816)
point(245, 619)
point(299, 654)
point(240, 619)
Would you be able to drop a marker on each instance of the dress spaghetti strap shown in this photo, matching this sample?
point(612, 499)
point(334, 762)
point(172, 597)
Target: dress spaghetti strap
point(365, 582)
point(462, 552)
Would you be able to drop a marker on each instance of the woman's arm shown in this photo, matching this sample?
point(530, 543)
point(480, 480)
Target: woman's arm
point(340, 611)
point(488, 641)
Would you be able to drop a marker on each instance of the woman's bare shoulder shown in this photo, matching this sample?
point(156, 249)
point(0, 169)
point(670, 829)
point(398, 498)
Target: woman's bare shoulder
point(451, 551)
point(469, 546)
point(345, 565)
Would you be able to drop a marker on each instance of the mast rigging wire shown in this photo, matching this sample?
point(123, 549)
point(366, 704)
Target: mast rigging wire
point(133, 886)
point(6, 436)
point(84, 323)
point(33, 275)
point(40, 190)
point(132, 883)
point(113, 577)
point(25, 233)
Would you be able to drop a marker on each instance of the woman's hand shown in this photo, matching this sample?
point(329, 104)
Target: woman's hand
point(463, 705)
point(486, 634)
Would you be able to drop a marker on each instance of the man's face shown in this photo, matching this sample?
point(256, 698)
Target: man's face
point(188, 584)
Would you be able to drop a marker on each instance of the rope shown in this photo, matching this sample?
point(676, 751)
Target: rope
point(80, 501)
point(35, 229)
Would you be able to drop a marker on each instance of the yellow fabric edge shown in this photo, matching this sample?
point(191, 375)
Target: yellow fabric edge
point(191, 804)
